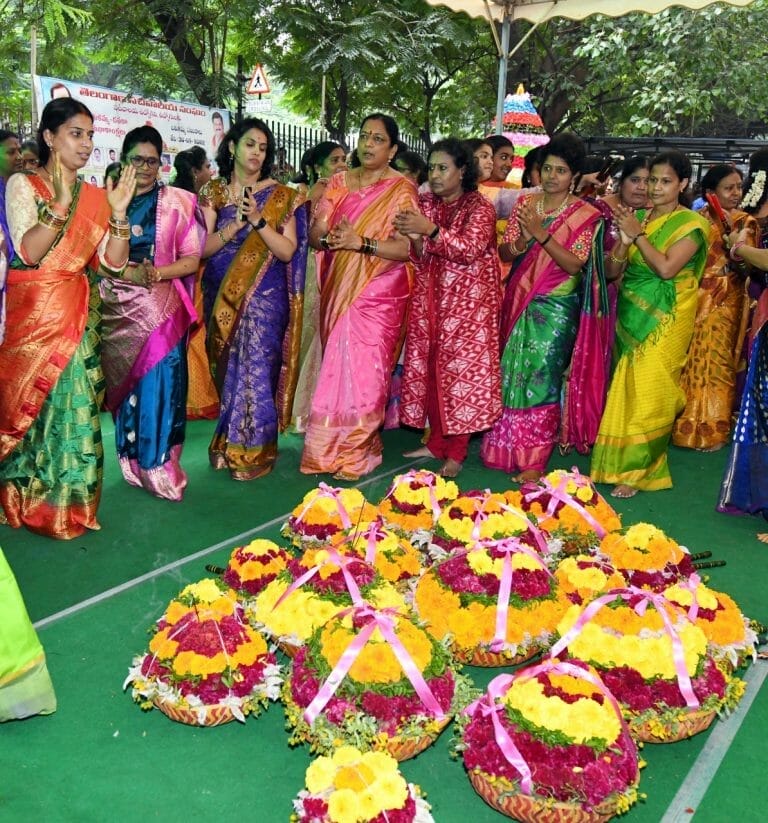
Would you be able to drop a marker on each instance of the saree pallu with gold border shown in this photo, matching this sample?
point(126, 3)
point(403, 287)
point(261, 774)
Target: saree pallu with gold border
point(253, 306)
point(655, 320)
point(539, 327)
point(51, 453)
point(144, 348)
point(363, 300)
point(709, 375)
point(745, 484)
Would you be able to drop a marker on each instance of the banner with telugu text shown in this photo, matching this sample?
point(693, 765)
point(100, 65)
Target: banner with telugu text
point(181, 125)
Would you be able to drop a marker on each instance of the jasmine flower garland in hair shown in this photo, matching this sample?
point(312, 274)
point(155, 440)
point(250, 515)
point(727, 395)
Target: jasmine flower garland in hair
point(756, 190)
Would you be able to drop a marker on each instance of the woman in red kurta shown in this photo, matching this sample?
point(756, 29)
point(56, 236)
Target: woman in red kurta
point(452, 371)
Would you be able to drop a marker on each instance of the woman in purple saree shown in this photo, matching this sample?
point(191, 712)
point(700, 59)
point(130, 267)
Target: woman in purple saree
point(145, 324)
point(253, 288)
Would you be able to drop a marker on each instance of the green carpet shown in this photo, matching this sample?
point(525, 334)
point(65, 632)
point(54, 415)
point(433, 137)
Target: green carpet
point(100, 758)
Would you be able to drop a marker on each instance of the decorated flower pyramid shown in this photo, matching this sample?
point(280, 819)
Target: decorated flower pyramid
point(549, 743)
point(522, 125)
point(205, 664)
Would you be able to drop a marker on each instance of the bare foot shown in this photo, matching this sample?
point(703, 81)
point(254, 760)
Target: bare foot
point(624, 491)
point(763, 537)
point(450, 468)
point(422, 451)
point(348, 476)
point(528, 476)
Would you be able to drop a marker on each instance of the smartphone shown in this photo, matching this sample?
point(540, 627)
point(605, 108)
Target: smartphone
point(246, 198)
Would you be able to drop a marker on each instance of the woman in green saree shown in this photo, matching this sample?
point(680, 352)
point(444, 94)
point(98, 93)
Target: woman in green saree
point(660, 256)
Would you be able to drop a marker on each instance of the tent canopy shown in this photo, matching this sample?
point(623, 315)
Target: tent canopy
point(540, 11)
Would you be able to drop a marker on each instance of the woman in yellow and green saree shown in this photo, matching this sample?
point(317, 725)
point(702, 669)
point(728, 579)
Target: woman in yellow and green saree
point(661, 254)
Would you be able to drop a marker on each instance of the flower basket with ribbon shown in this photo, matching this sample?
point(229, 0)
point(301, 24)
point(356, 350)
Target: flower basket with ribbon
point(647, 557)
point(314, 588)
point(413, 503)
point(325, 512)
point(373, 679)
point(567, 506)
point(582, 577)
point(351, 786)
point(653, 659)
point(549, 743)
point(252, 567)
point(497, 602)
point(205, 664)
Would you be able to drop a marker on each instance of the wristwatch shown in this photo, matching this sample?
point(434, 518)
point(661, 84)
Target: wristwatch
point(260, 224)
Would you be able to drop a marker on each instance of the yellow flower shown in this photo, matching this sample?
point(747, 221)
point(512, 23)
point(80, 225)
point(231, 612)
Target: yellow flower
point(346, 756)
point(320, 774)
point(162, 646)
point(342, 806)
point(392, 791)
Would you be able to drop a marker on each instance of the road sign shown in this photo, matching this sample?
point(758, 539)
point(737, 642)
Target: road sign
point(258, 83)
point(254, 106)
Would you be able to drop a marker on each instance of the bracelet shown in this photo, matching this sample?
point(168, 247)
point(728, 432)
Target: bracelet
point(119, 232)
point(259, 224)
point(546, 240)
point(733, 253)
point(638, 236)
point(51, 206)
point(120, 221)
point(50, 219)
point(223, 239)
point(612, 257)
point(369, 246)
point(433, 234)
point(324, 244)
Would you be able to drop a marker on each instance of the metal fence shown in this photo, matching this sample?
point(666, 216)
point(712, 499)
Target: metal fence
point(297, 139)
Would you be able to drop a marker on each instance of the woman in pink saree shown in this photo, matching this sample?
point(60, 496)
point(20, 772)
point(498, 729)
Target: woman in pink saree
point(364, 291)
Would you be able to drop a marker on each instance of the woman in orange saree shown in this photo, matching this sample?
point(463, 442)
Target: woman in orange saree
point(364, 291)
point(51, 453)
point(722, 314)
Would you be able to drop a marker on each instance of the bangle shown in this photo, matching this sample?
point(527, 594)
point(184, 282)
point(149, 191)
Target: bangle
point(324, 244)
point(433, 234)
point(638, 236)
point(119, 231)
point(51, 205)
point(259, 224)
point(369, 246)
point(733, 253)
point(223, 239)
point(612, 257)
point(546, 240)
point(50, 219)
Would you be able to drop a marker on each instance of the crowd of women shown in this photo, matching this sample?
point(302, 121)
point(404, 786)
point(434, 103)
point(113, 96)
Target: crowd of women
point(434, 296)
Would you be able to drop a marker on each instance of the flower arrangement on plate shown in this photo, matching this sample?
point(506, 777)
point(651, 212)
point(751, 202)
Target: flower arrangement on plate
point(473, 516)
point(497, 603)
point(647, 557)
point(730, 634)
point(351, 786)
point(549, 743)
point(325, 512)
point(205, 664)
point(314, 588)
point(413, 504)
point(567, 506)
point(252, 567)
point(394, 557)
point(373, 679)
point(653, 659)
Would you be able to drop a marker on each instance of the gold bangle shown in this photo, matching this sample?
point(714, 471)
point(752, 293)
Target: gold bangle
point(50, 219)
point(223, 239)
point(615, 259)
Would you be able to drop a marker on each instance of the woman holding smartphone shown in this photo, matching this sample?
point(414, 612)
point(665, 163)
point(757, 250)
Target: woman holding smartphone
point(253, 289)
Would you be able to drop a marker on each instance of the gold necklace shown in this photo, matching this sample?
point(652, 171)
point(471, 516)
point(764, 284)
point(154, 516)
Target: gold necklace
point(648, 219)
point(362, 185)
point(551, 212)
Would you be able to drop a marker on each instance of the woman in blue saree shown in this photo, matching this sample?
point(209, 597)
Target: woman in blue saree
point(253, 289)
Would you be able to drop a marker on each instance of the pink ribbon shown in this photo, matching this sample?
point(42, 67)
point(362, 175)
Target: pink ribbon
point(373, 533)
point(383, 620)
point(661, 604)
point(510, 546)
point(500, 685)
point(425, 479)
point(335, 494)
point(340, 560)
point(558, 494)
point(692, 584)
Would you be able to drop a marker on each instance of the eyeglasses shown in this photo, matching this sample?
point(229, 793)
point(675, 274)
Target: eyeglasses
point(137, 161)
